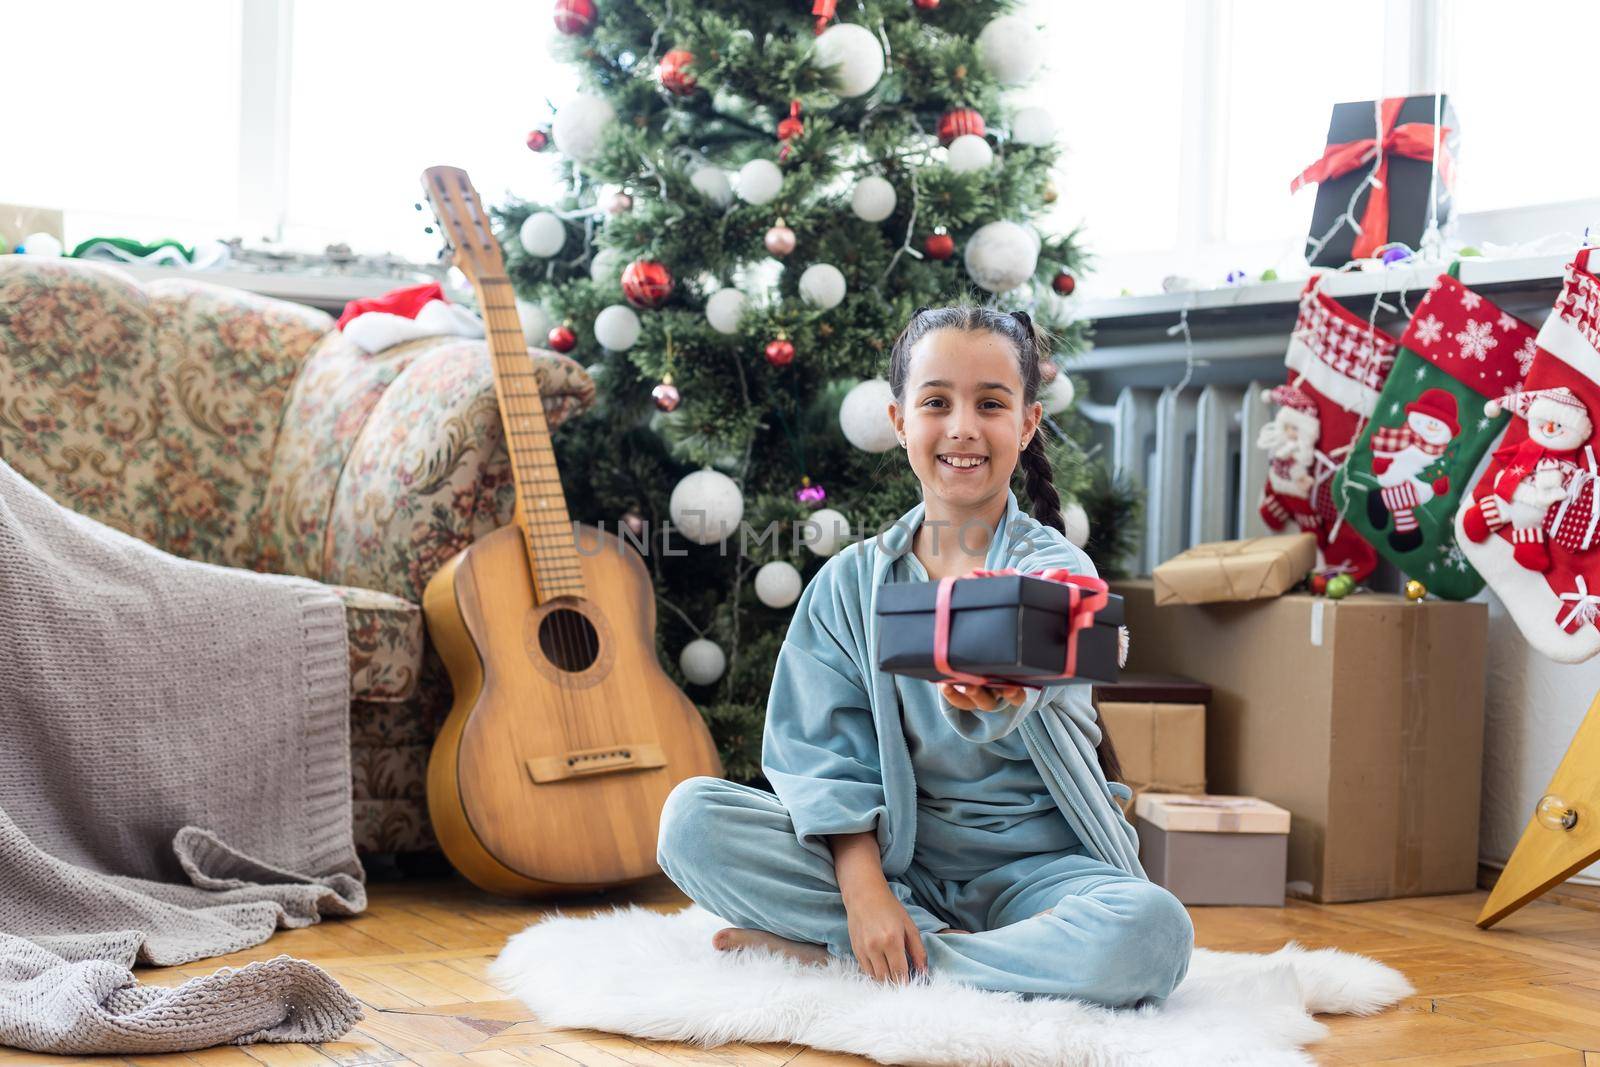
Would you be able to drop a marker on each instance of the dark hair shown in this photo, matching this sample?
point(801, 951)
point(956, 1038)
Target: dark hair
point(1033, 346)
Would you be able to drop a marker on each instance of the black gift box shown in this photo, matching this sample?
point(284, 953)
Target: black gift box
point(1011, 627)
point(1408, 180)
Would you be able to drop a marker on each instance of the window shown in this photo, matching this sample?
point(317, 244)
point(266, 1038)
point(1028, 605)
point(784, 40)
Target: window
point(382, 89)
point(133, 128)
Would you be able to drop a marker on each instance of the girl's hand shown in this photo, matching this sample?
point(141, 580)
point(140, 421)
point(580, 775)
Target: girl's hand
point(885, 940)
point(981, 697)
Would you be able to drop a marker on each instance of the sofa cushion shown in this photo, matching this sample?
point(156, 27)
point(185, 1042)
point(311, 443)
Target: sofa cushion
point(385, 644)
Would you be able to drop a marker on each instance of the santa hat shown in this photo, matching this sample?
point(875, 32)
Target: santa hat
point(1437, 404)
point(378, 322)
point(1559, 405)
point(1296, 400)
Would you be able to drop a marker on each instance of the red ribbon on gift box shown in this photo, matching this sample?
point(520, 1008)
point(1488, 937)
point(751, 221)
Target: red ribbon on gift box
point(1088, 595)
point(1414, 140)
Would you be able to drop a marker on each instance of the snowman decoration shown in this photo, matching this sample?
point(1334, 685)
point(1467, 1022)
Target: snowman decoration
point(1532, 475)
point(1290, 442)
point(1399, 456)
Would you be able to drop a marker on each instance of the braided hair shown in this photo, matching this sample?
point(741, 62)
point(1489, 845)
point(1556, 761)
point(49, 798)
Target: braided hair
point(1032, 344)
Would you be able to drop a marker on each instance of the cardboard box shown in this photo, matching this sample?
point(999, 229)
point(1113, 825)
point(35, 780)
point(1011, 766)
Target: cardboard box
point(1012, 628)
point(1363, 717)
point(1214, 849)
point(1235, 570)
point(1162, 747)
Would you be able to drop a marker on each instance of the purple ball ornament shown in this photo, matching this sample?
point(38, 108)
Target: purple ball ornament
point(1395, 254)
point(810, 494)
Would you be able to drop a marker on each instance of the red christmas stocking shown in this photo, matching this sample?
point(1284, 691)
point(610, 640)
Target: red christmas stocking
point(1531, 526)
point(1339, 363)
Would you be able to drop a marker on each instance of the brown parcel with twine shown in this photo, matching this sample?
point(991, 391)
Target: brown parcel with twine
point(1236, 570)
point(1362, 716)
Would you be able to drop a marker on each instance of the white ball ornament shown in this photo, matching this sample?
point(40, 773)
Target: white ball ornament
point(580, 125)
point(606, 266)
point(759, 182)
point(706, 506)
point(1001, 256)
point(1058, 395)
point(702, 661)
point(712, 183)
point(542, 234)
point(1033, 126)
point(968, 153)
point(825, 531)
point(873, 199)
point(822, 285)
point(1011, 48)
point(536, 323)
point(864, 416)
point(854, 56)
point(723, 309)
point(1076, 521)
point(778, 584)
point(617, 327)
point(41, 244)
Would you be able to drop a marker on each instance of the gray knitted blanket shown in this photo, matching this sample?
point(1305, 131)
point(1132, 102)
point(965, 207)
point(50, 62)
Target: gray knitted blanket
point(174, 784)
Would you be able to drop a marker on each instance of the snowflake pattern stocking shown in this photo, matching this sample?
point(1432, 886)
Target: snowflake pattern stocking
point(1531, 526)
point(1415, 459)
point(1339, 363)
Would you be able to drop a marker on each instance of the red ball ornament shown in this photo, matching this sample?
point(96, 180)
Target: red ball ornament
point(674, 73)
point(939, 245)
point(646, 283)
point(666, 395)
point(562, 339)
point(791, 126)
point(1319, 584)
point(575, 17)
point(780, 240)
point(780, 353)
point(962, 120)
point(1063, 283)
point(619, 203)
point(927, 5)
point(538, 140)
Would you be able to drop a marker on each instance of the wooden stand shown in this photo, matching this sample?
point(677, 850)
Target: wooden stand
point(1563, 837)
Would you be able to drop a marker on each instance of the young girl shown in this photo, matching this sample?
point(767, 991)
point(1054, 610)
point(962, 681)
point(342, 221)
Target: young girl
point(941, 828)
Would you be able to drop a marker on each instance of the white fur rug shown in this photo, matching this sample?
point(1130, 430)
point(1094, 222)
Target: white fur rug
point(646, 974)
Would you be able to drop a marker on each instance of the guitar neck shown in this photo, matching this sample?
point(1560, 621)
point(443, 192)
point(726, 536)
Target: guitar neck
point(541, 505)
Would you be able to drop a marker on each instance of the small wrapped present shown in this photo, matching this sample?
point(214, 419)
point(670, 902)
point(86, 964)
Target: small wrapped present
point(1381, 153)
point(1235, 570)
point(1158, 725)
point(1002, 628)
point(1214, 849)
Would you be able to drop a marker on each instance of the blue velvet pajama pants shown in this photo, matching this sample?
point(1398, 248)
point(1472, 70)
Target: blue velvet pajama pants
point(1106, 936)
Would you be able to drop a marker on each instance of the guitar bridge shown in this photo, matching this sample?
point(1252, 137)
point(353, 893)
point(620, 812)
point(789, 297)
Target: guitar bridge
point(583, 763)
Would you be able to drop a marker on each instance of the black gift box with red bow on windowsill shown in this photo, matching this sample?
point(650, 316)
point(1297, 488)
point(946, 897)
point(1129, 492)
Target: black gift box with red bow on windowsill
point(1004, 628)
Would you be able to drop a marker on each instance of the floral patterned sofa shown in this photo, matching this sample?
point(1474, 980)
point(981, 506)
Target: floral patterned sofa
point(244, 431)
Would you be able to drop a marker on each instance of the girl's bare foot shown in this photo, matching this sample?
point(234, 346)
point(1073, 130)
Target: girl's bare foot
point(726, 940)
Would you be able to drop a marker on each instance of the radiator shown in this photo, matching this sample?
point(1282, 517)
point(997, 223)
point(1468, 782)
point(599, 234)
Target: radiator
point(1193, 452)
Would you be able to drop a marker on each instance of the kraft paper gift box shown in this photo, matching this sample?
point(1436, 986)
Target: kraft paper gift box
point(1236, 570)
point(1011, 628)
point(1363, 717)
point(1157, 726)
point(1214, 849)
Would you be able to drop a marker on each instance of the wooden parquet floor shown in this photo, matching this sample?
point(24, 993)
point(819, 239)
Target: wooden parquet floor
point(1526, 994)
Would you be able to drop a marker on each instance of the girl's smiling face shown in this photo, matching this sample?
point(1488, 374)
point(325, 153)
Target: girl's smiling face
point(964, 419)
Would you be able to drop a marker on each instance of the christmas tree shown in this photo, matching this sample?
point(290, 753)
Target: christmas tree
point(758, 196)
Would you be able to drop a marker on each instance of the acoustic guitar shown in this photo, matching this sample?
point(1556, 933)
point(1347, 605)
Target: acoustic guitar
point(565, 735)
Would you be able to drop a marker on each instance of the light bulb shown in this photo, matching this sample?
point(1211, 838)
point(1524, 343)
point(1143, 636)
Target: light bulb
point(1555, 813)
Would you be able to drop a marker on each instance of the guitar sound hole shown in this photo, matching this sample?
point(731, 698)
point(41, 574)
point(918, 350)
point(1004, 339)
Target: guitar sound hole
point(568, 640)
